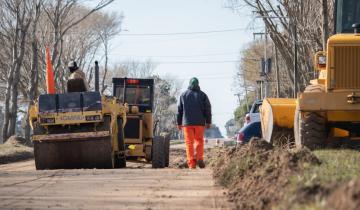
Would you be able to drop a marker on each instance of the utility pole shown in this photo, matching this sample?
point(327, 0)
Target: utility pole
point(295, 60)
point(277, 73)
point(266, 83)
point(264, 79)
point(239, 99)
point(246, 96)
point(325, 23)
point(276, 55)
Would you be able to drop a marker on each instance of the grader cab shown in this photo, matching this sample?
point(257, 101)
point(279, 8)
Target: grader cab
point(329, 108)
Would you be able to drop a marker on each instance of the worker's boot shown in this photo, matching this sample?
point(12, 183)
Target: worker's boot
point(192, 164)
point(201, 164)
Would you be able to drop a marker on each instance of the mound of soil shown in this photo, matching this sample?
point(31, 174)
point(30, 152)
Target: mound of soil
point(16, 140)
point(15, 149)
point(346, 196)
point(256, 174)
point(178, 158)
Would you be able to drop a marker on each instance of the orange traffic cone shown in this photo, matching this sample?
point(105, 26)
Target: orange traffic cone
point(50, 82)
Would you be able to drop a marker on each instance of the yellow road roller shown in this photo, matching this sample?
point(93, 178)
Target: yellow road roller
point(78, 130)
point(329, 108)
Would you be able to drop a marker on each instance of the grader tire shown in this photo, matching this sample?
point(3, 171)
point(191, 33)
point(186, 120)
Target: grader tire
point(310, 130)
point(120, 160)
point(310, 127)
point(158, 152)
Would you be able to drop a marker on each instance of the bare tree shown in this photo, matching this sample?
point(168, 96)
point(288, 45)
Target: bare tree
point(325, 23)
point(16, 22)
point(285, 16)
point(109, 27)
point(63, 17)
point(26, 27)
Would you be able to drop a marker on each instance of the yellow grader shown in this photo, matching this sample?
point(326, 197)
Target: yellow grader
point(81, 129)
point(329, 108)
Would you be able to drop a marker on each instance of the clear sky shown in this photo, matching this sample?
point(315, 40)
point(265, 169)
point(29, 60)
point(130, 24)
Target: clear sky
point(173, 51)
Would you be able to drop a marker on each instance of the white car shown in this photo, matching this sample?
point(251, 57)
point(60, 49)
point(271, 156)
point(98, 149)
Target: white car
point(254, 114)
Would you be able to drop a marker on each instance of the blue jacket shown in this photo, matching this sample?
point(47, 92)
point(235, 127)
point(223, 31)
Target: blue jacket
point(194, 108)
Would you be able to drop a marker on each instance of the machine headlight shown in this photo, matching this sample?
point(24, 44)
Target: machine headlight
point(93, 118)
point(47, 120)
point(322, 60)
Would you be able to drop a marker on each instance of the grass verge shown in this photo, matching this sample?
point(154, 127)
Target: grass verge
point(261, 177)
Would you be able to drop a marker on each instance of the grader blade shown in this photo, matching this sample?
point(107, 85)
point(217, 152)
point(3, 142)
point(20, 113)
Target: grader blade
point(73, 153)
point(277, 120)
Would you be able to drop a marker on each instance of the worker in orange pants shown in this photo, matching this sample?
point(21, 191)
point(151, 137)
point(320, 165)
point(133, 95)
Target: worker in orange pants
point(194, 137)
point(194, 115)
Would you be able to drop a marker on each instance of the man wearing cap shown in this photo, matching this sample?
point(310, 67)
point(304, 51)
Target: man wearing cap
point(194, 115)
point(76, 73)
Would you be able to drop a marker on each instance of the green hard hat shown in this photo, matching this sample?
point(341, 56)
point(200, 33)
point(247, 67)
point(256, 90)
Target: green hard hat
point(194, 82)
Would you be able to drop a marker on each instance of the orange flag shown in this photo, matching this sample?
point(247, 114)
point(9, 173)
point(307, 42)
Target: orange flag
point(50, 82)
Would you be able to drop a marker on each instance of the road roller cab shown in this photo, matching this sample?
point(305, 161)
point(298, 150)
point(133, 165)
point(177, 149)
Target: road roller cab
point(78, 130)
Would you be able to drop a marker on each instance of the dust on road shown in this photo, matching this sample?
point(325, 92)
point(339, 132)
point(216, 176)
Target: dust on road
point(137, 187)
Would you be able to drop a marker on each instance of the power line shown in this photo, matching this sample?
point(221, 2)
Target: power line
point(185, 33)
point(176, 56)
point(195, 62)
point(198, 62)
point(187, 62)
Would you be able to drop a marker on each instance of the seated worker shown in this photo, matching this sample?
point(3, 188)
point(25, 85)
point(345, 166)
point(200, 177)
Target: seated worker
point(77, 79)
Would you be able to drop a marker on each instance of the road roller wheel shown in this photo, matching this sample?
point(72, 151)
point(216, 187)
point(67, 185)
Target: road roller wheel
point(76, 153)
point(309, 130)
point(158, 152)
point(73, 154)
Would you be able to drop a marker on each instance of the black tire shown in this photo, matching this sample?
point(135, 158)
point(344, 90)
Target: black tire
point(309, 130)
point(310, 127)
point(167, 151)
point(148, 153)
point(158, 152)
point(120, 159)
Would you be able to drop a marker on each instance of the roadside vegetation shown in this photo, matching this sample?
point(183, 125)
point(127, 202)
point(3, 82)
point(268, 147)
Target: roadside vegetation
point(259, 176)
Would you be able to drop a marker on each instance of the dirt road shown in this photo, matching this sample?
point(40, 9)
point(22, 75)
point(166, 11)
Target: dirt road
point(137, 187)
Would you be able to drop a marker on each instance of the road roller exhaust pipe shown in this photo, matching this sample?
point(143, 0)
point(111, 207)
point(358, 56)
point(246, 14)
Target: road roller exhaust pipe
point(97, 89)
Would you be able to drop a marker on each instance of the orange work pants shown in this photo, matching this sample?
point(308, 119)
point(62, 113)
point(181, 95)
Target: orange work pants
point(194, 136)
